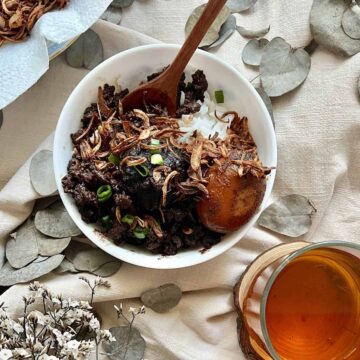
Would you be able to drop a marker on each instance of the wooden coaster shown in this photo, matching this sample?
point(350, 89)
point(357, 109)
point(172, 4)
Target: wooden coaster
point(250, 343)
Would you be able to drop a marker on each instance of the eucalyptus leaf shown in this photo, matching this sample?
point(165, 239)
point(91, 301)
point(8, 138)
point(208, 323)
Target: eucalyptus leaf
point(55, 221)
point(325, 24)
point(10, 276)
point(121, 3)
point(108, 269)
point(290, 215)
point(351, 21)
point(44, 203)
point(240, 5)
point(252, 33)
point(253, 51)
point(267, 101)
point(87, 51)
point(227, 29)
point(65, 266)
point(129, 344)
point(213, 33)
point(163, 298)
point(113, 15)
point(87, 258)
point(50, 246)
point(24, 249)
point(40, 259)
point(1, 118)
point(41, 173)
point(282, 68)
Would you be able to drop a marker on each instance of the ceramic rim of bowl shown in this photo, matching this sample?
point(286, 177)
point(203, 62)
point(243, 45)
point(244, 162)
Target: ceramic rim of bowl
point(156, 262)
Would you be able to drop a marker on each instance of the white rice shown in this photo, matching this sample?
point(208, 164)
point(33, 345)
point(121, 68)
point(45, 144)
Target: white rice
point(205, 121)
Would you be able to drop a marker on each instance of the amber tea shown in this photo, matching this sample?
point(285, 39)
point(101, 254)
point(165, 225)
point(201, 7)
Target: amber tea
point(313, 307)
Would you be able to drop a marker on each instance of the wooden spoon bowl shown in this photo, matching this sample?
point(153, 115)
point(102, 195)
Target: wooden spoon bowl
point(163, 89)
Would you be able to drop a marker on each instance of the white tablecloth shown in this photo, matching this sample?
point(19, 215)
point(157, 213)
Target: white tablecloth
point(318, 132)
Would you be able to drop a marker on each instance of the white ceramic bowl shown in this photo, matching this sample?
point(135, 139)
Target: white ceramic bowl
point(128, 69)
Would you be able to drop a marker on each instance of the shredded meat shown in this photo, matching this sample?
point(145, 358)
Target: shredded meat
point(152, 204)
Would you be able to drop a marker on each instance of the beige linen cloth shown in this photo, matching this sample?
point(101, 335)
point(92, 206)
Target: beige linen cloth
point(318, 133)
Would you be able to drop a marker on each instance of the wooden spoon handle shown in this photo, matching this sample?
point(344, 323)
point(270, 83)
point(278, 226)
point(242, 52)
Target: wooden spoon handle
point(194, 39)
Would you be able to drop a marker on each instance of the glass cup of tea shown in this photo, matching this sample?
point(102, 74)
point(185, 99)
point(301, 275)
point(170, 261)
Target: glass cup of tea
point(306, 305)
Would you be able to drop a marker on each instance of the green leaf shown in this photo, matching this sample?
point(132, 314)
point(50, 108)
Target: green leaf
point(253, 51)
point(282, 68)
point(129, 344)
point(113, 15)
point(121, 3)
point(41, 173)
point(65, 266)
point(227, 29)
point(240, 5)
point(252, 33)
point(213, 33)
point(87, 51)
point(163, 298)
point(325, 24)
point(291, 215)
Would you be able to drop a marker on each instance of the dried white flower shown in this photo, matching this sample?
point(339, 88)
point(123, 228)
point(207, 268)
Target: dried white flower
point(5, 354)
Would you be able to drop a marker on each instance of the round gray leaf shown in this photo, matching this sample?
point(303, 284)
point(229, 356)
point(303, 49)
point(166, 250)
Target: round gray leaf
point(87, 51)
point(213, 33)
point(227, 29)
point(42, 173)
point(163, 298)
point(240, 5)
point(282, 68)
point(252, 33)
point(121, 3)
point(44, 203)
point(253, 51)
point(108, 269)
point(66, 266)
point(290, 216)
point(325, 24)
point(50, 246)
point(24, 249)
point(55, 221)
point(10, 276)
point(351, 22)
point(87, 258)
point(129, 344)
point(113, 15)
point(267, 101)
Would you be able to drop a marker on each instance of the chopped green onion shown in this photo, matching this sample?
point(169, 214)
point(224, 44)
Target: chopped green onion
point(106, 222)
point(219, 96)
point(127, 219)
point(142, 170)
point(104, 193)
point(154, 142)
point(114, 159)
point(157, 159)
point(140, 233)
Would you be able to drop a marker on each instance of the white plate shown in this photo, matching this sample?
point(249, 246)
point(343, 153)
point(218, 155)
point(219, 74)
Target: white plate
point(129, 68)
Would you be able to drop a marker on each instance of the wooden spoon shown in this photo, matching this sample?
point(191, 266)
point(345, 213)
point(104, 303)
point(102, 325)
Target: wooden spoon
point(163, 89)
